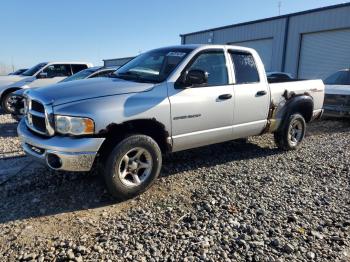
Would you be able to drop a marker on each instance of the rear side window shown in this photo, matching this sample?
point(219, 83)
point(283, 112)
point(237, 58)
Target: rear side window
point(245, 68)
point(78, 68)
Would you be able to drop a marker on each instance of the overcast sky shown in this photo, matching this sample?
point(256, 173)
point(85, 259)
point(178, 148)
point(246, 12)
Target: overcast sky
point(36, 31)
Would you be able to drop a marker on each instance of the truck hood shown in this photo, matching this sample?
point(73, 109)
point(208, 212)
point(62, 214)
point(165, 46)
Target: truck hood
point(67, 92)
point(337, 89)
point(8, 80)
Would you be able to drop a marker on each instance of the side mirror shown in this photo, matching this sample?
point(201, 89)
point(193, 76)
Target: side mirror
point(196, 77)
point(42, 75)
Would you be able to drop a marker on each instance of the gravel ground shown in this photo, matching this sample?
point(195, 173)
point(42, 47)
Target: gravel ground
point(227, 202)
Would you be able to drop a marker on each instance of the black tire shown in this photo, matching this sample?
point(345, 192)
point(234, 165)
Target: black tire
point(241, 140)
point(286, 138)
point(17, 117)
point(4, 104)
point(119, 187)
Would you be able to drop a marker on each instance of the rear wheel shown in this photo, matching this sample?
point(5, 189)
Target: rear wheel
point(133, 166)
point(291, 133)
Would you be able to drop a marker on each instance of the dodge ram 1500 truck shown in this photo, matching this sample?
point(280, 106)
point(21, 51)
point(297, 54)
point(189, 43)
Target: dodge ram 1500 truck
point(165, 100)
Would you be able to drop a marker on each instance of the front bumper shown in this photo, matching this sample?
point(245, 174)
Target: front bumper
point(58, 152)
point(336, 111)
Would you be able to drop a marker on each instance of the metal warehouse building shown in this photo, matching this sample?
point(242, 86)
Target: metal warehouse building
point(309, 44)
point(116, 61)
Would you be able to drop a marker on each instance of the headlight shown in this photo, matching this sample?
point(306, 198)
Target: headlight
point(74, 125)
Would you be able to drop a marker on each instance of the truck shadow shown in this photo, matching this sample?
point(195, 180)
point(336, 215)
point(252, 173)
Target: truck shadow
point(38, 192)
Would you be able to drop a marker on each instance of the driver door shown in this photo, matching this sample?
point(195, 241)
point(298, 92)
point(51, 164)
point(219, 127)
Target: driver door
point(203, 115)
point(53, 74)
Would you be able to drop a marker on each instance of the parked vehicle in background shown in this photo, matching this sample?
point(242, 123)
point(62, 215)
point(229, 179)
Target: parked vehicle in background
point(165, 100)
point(92, 72)
point(337, 94)
point(40, 75)
point(16, 104)
point(277, 77)
point(18, 71)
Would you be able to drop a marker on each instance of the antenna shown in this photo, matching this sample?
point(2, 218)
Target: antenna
point(279, 7)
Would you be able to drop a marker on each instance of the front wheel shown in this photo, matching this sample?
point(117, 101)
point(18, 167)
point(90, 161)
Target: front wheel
point(7, 103)
point(291, 133)
point(133, 166)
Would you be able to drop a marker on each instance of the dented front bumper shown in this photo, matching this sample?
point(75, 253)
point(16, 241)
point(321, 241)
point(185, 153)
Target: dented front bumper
point(59, 152)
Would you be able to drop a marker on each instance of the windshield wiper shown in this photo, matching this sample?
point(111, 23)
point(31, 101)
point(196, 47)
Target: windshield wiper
point(133, 77)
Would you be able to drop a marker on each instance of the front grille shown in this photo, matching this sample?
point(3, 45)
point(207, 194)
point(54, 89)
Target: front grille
point(36, 106)
point(37, 116)
point(337, 100)
point(39, 123)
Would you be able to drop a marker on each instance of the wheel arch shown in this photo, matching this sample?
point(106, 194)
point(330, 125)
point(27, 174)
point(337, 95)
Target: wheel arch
point(150, 127)
point(8, 90)
point(303, 105)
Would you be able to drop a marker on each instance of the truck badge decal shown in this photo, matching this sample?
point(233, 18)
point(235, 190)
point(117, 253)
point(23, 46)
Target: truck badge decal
point(187, 117)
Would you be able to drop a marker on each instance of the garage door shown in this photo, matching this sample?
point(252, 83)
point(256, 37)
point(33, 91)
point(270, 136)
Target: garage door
point(324, 53)
point(263, 47)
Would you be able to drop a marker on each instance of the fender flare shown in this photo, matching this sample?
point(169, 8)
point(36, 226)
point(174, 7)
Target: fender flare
point(302, 104)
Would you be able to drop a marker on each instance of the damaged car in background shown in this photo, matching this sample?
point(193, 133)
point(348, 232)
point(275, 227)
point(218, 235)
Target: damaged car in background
point(42, 74)
point(163, 101)
point(16, 104)
point(337, 94)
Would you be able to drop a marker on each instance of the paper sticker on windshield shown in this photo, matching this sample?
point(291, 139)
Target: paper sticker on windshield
point(178, 54)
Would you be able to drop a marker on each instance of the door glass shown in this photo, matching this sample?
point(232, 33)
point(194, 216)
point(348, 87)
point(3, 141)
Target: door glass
point(57, 71)
point(214, 64)
point(245, 68)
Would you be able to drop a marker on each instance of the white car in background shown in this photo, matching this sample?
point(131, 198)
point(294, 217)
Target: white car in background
point(42, 74)
point(337, 94)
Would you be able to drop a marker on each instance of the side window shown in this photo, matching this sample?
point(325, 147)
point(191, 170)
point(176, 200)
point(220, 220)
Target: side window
point(77, 68)
point(57, 71)
point(102, 74)
point(214, 63)
point(245, 68)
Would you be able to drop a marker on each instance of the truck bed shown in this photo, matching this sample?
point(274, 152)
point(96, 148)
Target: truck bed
point(280, 92)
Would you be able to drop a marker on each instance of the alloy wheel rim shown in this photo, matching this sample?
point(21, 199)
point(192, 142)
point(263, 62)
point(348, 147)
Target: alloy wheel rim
point(135, 167)
point(9, 104)
point(295, 133)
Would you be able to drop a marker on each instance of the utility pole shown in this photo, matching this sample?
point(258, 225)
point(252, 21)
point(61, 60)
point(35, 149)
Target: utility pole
point(13, 66)
point(279, 7)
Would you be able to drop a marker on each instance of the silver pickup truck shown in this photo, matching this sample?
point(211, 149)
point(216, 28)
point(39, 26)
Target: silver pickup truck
point(165, 100)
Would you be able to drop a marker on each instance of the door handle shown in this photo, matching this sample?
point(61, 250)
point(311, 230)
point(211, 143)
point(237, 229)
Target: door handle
point(225, 96)
point(261, 93)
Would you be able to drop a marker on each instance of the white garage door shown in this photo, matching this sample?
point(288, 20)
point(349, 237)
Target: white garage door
point(324, 53)
point(263, 47)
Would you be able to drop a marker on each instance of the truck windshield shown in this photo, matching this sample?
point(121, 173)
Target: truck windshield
point(80, 75)
point(34, 69)
point(154, 66)
point(338, 78)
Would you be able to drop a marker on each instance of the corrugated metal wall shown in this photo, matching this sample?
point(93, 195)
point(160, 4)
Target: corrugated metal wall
point(270, 29)
point(116, 61)
point(290, 28)
point(332, 19)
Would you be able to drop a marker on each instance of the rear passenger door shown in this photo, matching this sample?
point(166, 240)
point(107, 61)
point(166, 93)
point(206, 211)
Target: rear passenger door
point(251, 95)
